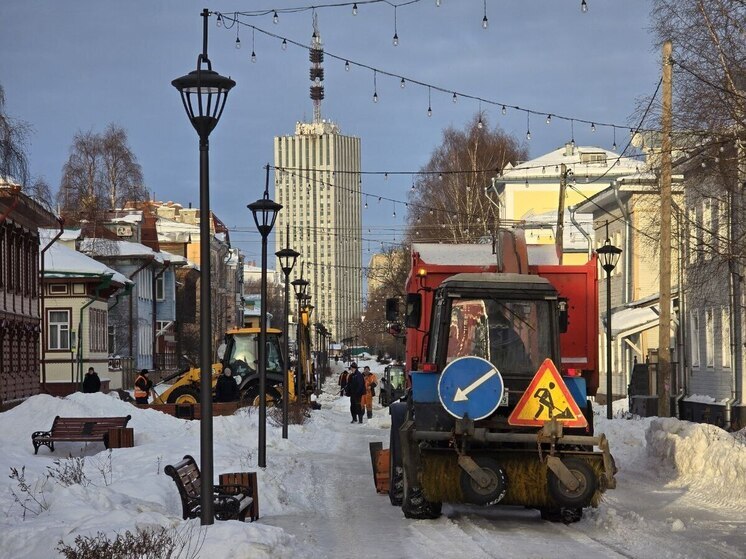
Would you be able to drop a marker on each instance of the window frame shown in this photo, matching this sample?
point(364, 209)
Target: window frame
point(56, 325)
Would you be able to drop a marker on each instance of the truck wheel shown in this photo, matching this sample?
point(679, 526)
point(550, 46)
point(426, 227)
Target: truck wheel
point(396, 481)
point(579, 497)
point(495, 490)
point(184, 395)
point(415, 506)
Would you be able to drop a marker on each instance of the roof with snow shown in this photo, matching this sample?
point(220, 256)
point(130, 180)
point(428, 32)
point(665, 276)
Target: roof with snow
point(62, 261)
point(110, 248)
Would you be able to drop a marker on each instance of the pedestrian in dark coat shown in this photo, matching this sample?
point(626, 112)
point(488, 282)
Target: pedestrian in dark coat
point(91, 382)
point(343, 382)
point(226, 389)
point(355, 390)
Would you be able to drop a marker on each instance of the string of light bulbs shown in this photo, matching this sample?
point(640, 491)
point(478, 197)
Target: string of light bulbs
point(403, 80)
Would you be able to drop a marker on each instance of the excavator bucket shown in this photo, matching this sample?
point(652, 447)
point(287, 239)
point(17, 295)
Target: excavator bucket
point(380, 461)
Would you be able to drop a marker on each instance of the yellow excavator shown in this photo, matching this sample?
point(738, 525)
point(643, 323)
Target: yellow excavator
point(239, 352)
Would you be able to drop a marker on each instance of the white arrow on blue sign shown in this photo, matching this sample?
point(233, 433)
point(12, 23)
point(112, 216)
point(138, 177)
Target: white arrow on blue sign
point(470, 387)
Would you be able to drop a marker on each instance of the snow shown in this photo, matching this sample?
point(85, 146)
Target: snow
point(60, 259)
point(680, 493)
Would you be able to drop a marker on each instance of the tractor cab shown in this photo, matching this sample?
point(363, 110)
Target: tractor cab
point(393, 384)
point(241, 352)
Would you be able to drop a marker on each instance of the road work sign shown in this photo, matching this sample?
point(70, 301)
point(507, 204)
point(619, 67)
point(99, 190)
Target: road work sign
point(547, 398)
point(470, 387)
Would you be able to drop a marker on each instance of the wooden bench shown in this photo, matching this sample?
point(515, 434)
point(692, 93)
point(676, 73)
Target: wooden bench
point(78, 429)
point(230, 501)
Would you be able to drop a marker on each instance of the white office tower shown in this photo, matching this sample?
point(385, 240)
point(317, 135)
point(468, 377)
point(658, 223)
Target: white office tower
point(317, 181)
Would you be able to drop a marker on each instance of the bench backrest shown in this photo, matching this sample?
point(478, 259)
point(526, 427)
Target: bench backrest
point(93, 426)
point(187, 477)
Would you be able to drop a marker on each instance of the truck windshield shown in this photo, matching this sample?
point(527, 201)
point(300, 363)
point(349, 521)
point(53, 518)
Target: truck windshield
point(514, 335)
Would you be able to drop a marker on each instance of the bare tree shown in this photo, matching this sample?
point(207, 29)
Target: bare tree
point(448, 200)
point(13, 134)
point(101, 173)
point(709, 114)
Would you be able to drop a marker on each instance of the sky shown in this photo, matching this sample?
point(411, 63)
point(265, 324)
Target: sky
point(78, 66)
point(679, 495)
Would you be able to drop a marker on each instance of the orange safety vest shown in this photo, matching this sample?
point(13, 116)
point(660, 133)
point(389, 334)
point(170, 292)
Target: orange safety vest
point(139, 392)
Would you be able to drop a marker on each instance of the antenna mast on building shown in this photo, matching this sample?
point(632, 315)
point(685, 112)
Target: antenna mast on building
point(316, 56)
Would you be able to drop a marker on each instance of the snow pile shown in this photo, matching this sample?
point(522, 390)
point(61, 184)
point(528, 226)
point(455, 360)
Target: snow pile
point(702, 455)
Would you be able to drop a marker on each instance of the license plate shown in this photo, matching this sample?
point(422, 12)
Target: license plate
point(504, 399)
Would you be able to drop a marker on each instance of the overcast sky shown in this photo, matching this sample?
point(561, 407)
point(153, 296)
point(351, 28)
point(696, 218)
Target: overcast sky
point(80, 65)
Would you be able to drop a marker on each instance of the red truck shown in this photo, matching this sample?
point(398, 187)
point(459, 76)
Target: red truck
point(484, 327)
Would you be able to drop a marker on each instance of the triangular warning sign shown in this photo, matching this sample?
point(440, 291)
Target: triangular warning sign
point(546, 398)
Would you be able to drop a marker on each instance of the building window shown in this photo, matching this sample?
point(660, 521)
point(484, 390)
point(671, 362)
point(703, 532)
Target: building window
point(710, 338)
point(160, 288)
point(725, 337)
point(97, 330)
point(694, 321)
point(58, 335)
point(598, 158)
point(58, 289)
point(112, 330)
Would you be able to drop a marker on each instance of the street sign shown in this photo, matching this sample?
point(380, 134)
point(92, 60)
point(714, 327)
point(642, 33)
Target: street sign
point(470, 387)
point(547, 397)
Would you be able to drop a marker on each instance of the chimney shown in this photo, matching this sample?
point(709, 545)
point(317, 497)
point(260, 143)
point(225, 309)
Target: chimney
point(569, 149)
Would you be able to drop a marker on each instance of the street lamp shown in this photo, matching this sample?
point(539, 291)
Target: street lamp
point(203, 93)
point(608, 256)
point(265, 212)
point(300, 286)
point(287, 258)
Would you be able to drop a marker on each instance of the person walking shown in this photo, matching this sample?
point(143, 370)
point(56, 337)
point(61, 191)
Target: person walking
point(143, 388)
point(343, 382)
point(91, 382)
point(226, 389)
point(371, 381)
point(355, 390)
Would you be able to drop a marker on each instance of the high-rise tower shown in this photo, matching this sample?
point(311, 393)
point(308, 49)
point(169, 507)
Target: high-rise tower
point(318, 183)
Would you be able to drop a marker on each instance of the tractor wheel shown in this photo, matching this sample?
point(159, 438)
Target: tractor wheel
point(184, 395)
point(396, 481)
point(579, 497)
point(415, 506)
point(495, 490)
point(273, 399)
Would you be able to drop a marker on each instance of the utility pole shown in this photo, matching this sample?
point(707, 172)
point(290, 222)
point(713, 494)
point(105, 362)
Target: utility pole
point(559, 238)
point(664, 324)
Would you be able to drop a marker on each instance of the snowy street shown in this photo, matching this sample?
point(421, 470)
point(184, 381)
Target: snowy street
point(680, 491)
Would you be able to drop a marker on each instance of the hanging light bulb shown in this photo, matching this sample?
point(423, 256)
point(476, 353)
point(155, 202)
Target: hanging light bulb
point(253, 56)
point(412, 187)
point(431, 211)
point(437, 3)
point(484, 19)
point(440, 176)
point(593, 126)
point(354, 9)
point(395, 40)
point(402, 83)
point(704, 164)
point(504, 110)
point(219, 21)
point(275, 18)
point(375, 88)
point(549, 119)
point(528, 134)
point(480, 124)
point(284, 44)
point(583, 6)
point(528, 125)
point(543, 170)
point(366, 203)
point(347, 65)
point(455, 98)
point(429, 111)
point(238, 43)
point(375, 97)
point(613, 146)
point(386, 176)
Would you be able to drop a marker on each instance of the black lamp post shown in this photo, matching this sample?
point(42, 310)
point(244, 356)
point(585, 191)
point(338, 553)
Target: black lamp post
point(287, 258)
point(608, 256)
point(203, 93)
point(265, 213)
point(300, 286)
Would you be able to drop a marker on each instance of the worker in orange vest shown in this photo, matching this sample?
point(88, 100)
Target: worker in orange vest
point(371, 381)
point(143, 387)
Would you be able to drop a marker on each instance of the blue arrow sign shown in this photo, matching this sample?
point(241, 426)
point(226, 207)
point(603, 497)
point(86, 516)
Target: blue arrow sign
point(470, 387)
